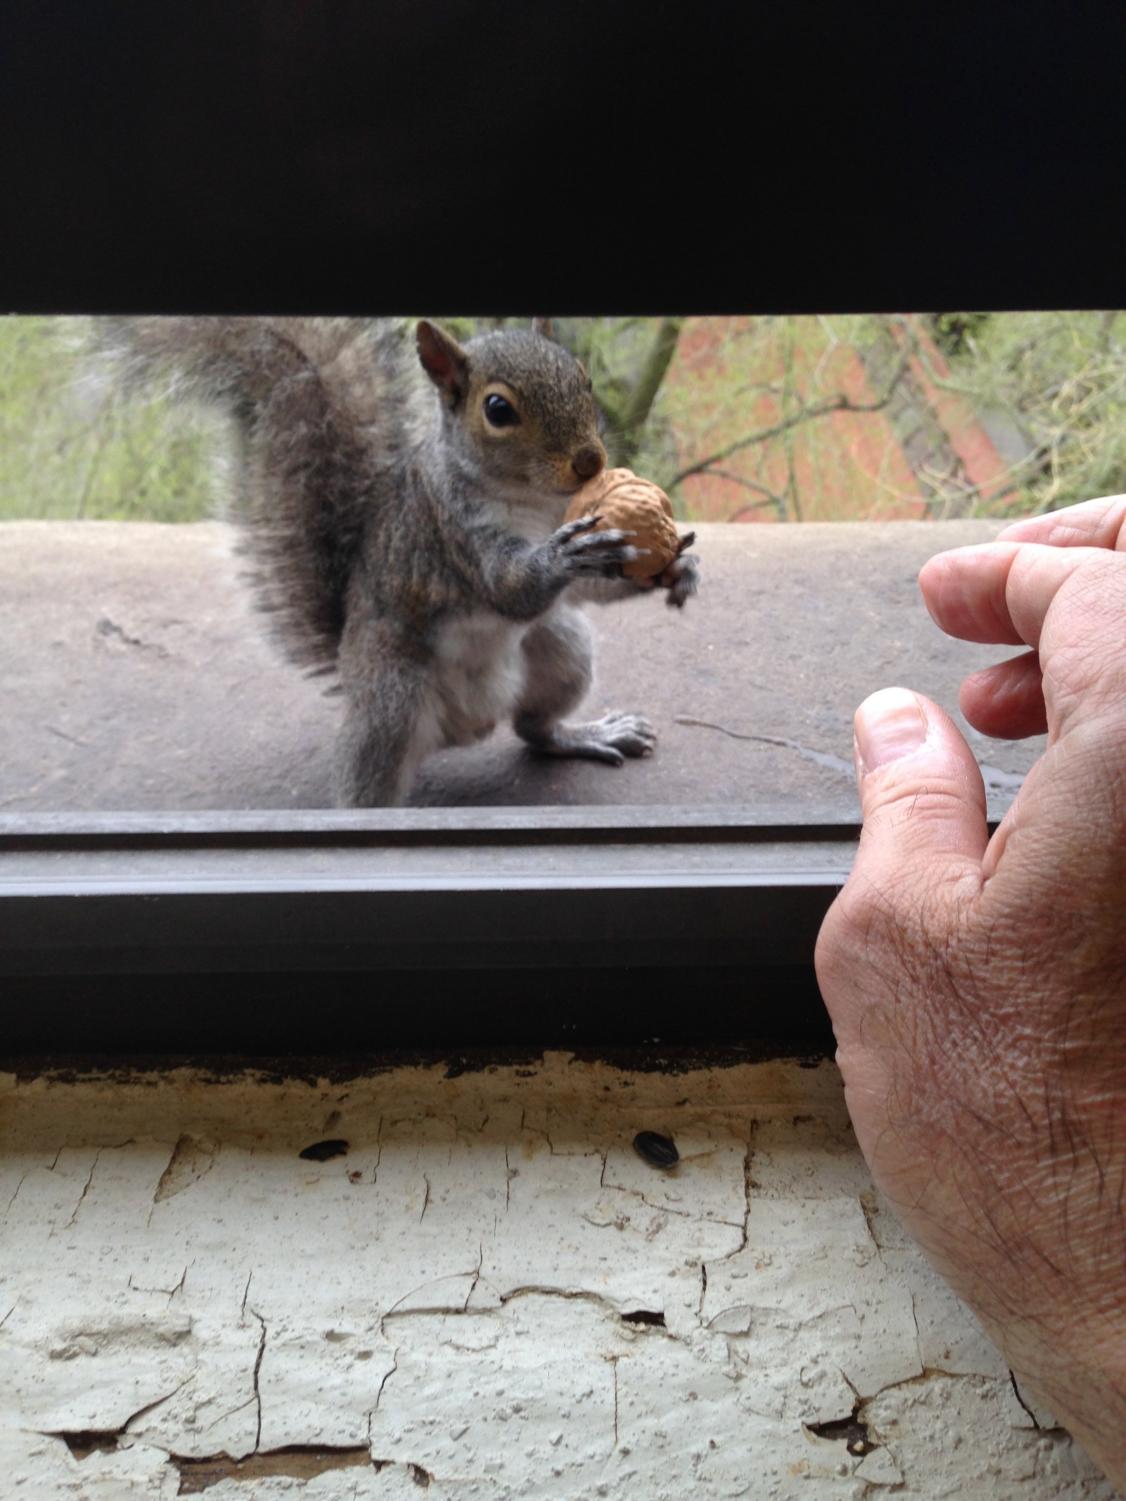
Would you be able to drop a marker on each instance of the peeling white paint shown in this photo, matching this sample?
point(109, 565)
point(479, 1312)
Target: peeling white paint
point(488, 1295)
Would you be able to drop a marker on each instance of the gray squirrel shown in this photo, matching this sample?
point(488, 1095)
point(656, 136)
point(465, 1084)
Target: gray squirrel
point(409, 535)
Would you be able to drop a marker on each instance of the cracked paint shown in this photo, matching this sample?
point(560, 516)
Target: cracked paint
point(488, 1294)
point(190, 1161)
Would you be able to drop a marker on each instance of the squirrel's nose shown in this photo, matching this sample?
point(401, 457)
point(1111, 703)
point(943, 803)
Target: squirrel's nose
point(588, 461)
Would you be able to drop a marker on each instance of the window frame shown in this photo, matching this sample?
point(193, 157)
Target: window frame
point(602, 895)
point(123, 891)
point(194, 199)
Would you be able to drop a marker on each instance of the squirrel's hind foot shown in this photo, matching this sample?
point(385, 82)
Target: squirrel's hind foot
point(610, 739)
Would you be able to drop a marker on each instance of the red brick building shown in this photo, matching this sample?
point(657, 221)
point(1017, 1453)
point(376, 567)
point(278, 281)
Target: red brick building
point(921, 452)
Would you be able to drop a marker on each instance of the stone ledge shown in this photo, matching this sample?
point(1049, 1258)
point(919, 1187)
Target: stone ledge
point(136, 676)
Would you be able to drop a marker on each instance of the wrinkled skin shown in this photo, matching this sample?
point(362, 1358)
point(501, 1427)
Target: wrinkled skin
point(977, 985)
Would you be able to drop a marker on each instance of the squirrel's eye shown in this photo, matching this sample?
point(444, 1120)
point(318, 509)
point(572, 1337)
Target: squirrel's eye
point(500, 413)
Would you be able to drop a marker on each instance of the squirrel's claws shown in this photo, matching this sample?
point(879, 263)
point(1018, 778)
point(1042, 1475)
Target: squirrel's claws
point(588, 551)
point(681, 578)
point(577, 528)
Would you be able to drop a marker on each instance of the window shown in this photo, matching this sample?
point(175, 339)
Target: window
point(723, 852)
point(277, 198)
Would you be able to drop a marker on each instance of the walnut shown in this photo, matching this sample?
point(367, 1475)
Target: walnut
point(631, 504)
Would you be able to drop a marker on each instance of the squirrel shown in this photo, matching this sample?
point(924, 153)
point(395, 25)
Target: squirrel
point(405, 523)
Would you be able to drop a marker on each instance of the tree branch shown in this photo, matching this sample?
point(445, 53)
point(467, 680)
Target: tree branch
point(639, 402)
point(839, 403)
point(772, 496)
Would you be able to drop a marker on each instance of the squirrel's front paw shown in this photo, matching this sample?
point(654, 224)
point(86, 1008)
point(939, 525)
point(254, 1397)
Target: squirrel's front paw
point(682, 577)
point(583, 551)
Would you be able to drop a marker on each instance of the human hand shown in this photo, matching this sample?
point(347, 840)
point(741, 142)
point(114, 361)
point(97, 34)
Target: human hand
point(977, 985)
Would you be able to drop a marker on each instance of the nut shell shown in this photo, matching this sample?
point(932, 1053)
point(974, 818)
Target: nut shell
point(627, 503)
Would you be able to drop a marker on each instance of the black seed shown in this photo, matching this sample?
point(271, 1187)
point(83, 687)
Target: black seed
point(656, 1150)
point(851, 1429)
point(321, 1151)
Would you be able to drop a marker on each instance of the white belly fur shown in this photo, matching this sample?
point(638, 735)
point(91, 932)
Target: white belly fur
point(477, 678)
point(479, 668)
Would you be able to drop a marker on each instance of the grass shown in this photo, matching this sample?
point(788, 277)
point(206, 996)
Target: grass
point(70, 451)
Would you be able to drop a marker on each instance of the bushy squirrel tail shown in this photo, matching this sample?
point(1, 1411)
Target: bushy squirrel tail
point(321, 409)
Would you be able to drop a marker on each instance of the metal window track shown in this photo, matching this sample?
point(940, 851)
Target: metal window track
point(495, 924)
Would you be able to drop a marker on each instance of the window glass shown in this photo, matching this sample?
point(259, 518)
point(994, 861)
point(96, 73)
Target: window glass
point(137, 678)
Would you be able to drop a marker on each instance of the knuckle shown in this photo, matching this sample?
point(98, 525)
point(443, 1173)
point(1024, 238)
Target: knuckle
point(909, 811)
point(905, 914)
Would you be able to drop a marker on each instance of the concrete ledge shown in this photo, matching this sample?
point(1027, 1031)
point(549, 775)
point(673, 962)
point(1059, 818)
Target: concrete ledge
point(474, 1287)
point(135, 676)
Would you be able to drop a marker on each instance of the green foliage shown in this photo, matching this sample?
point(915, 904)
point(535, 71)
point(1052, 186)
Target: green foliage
point(1053, 383)
point(1059, 380)
point(954, 333)
point(69, 451)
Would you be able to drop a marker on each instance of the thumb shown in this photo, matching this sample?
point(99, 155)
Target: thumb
point(920, 852)
point(921, 795)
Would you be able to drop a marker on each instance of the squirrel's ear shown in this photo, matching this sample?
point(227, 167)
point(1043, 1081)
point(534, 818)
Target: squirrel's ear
point(444, 361)
point(543, 326)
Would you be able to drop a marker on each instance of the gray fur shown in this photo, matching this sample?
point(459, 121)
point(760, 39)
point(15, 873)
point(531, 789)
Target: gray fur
point(391, 543)
point(557, 653)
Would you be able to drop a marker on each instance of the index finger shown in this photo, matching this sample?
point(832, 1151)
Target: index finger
point(1002, 591)
point(1091, 523)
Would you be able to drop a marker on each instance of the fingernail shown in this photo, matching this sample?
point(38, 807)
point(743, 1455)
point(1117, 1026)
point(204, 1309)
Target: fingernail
point(889, 724)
